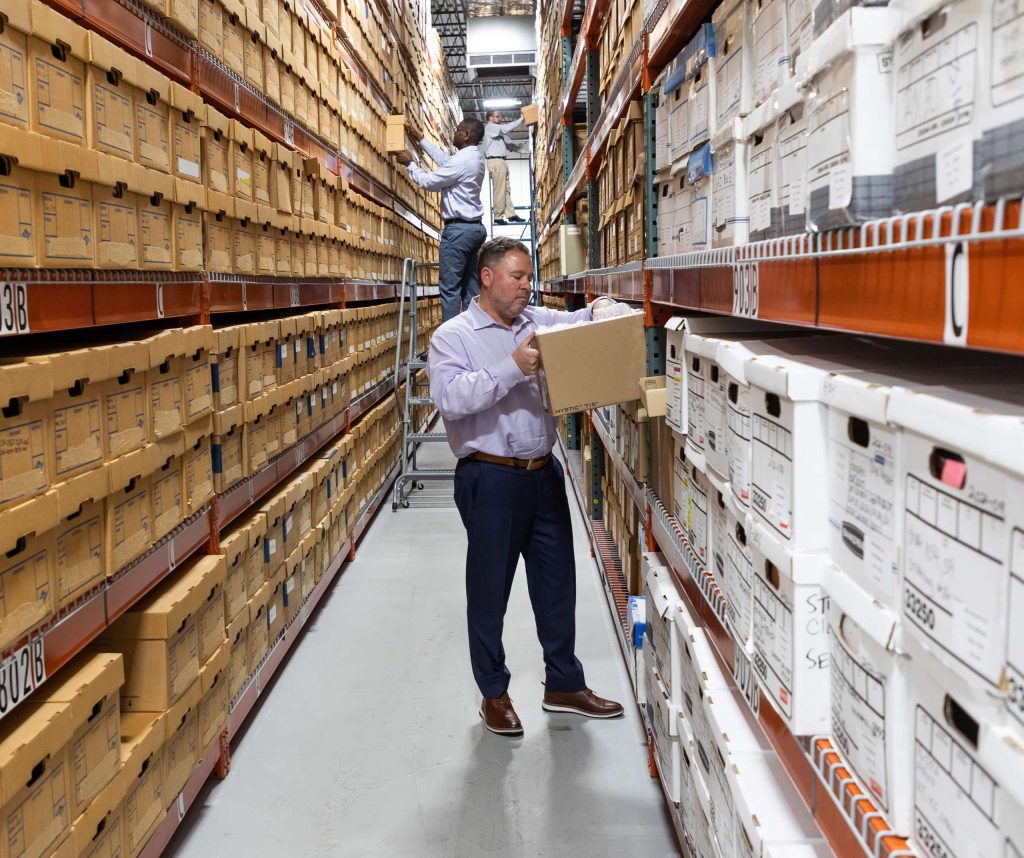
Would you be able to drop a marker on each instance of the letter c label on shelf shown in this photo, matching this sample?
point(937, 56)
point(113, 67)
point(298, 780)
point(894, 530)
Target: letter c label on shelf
point(957, 294)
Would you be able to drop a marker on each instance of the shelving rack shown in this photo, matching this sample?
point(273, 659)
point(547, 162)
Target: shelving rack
point(944, 276)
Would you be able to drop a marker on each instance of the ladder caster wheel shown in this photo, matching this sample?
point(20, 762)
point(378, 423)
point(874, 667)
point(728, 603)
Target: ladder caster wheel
point(418, 486)
point(405, 504)
point(394, 507)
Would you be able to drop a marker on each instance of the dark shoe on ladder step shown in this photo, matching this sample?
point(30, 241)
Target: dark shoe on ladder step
point(516, 219)
point(500, 222)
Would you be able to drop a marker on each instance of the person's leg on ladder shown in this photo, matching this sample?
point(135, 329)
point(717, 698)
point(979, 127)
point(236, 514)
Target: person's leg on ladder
point(449, 274)
point(469, 286)
point(510, 209)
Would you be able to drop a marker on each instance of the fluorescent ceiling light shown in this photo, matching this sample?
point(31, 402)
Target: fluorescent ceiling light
point(500, 103)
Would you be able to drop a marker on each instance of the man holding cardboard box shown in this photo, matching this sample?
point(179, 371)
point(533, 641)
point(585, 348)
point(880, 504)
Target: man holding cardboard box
point(459, 177)
point(496, 148)
point(509, 489)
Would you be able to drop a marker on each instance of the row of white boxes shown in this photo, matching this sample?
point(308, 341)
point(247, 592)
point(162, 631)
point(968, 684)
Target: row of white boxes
point(858, 508)
point(112, 165)
point(777, 118)
point(105, 747)
point(726, 786)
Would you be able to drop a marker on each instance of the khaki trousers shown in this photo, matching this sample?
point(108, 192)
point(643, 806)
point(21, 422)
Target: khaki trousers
point(501, 189)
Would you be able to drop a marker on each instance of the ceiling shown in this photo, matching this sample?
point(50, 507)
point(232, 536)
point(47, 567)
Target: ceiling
point(449, 19)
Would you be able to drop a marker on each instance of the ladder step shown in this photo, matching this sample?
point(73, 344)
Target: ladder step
point(430, 474)
point(420, 400)
point(424, 437)
point(417, 364)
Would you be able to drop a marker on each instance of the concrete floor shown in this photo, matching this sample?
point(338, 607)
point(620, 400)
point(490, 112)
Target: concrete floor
point(369, 742)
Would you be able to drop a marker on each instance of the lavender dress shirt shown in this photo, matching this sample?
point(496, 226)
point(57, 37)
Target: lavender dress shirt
point(488, 404)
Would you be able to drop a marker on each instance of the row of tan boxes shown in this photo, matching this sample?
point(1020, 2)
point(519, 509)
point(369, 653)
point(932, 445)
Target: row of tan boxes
point(106, 449)
point(118, 733)
point(144, 155)
point(621, 191)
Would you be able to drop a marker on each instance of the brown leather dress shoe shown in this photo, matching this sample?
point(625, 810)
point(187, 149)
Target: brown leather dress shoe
point(583, 702)
point(499, 716)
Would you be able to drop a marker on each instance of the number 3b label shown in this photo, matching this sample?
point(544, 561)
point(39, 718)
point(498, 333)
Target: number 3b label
point(13, 309)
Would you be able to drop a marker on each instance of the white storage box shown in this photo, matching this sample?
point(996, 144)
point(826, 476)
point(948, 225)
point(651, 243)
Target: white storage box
point(957, 796)
point(730, 219)
point(666, 755)
point(998, 164)
point(1015, 640)
point(717, 515)
point(696, 382)
point(695, 520)
point(850, 140)
point(731, 64)
point(962, 461)
point(676, 97)
point(700, 88)
point(660, 706)
point(696, 807)
point(662, 600)
point(760, 129)
point(772, 820)
point(799, 29)
point(939, 78)
point(770, 44)
point(788, 450)
point(791, 145)
point(695, 212)
point(734, 738)
point(872, 718)
point(790, 635)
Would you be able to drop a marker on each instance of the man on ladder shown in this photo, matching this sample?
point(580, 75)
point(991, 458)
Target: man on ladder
point(459, 177)
point(496, 148)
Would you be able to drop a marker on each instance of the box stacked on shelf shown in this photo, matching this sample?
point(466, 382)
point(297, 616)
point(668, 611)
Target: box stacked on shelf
point(621, 190)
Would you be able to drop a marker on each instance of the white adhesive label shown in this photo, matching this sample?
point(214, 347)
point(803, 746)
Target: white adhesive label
point(862, 499)
point(858, 713)
point(674, 404)
point(772, 481)
point(272, 614)
point(699, 110)
point(840, 185)
point(935, 86)
point(773, 643)
point(954, 575)
point(695, 404)
point(792, 145)
point(729, 76)
point(724, 184)
point(738, 445)
point(954, 798)
point(739, 594)
point(954, 169)
point(188, 168)
point(714, 416)
point(828, 144)
point(697, 518)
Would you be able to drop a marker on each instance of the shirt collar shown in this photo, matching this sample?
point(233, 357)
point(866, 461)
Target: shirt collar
point(481, 320)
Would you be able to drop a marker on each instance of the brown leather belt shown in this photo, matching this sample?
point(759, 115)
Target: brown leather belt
point(509, 462)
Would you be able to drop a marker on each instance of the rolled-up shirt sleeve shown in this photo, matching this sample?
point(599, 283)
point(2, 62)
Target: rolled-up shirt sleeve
point(445, 176)
point(456, 388)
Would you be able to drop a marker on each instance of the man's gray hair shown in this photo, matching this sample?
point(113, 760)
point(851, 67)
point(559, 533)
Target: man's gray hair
point(493, 251)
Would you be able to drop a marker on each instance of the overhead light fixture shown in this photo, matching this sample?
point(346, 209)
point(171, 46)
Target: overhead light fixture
point(501, 103)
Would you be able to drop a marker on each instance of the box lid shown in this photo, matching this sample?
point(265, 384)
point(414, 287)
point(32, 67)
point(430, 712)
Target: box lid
point(869, 616)
point(86, 681)
point(31, 733)
point(227, 419)
point(189, 701)
point(36, 515)
point(259, 599)
point(857, 27)
point(234, 544)
point(237, 626)
point(162, 614)
point(211, 672)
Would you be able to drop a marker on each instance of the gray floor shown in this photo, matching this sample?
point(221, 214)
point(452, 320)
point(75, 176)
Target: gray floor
point(369, 743)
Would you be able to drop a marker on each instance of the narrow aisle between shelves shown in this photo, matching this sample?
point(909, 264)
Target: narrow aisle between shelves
point(370, 742)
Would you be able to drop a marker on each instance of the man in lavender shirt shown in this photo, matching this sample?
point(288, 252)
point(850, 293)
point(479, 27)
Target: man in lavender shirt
point(509, 489)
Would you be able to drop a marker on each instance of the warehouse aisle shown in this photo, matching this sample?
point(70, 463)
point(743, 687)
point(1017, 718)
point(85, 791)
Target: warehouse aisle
point(370, 744)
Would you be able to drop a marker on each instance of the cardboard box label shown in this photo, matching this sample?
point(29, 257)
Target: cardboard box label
point(218, 249)
point(113, 115)
point(77, 433)
point(131, 526)
point(216, 161)
point(198, 387)
point(80, 553)
point(125, 415)
point(166, 404)
point(739, 441)
point(187, 148)
point(68, 225)
point(156, 231)
point(118, 232)
point(26, 590)
point(1015, 644)
point(153, 135)
point(23, 459)
point(60, 95)
point(144, 804)
point(739, 581)
point(18, 224)
point(188, 239)
point(168, 503)
point(13, 82)
point(772, 481)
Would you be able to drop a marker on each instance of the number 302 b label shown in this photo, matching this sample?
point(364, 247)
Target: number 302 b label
point(13, 309)
point(20, 674)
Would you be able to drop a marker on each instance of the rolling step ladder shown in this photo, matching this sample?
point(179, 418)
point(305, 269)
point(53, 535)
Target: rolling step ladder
point(411, 388)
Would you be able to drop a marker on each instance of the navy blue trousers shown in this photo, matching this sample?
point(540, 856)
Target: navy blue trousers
point(510, 513)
